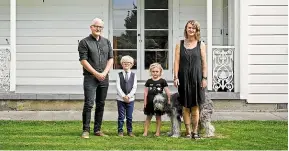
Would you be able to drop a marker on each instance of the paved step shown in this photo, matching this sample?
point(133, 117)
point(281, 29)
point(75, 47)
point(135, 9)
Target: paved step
point(137, 115)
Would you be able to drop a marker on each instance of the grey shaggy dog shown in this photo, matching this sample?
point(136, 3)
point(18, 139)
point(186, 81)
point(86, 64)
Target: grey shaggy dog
point(174, 111)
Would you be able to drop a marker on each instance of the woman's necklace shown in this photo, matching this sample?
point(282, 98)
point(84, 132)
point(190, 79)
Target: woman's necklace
point(190, 45)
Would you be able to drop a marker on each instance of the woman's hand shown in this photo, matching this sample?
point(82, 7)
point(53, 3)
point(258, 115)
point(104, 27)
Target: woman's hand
point(204, 83)
point(176, 82)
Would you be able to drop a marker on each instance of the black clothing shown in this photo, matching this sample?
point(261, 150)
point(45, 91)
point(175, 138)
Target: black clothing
point(190, 76)
point(154, 88)
point(96, 52)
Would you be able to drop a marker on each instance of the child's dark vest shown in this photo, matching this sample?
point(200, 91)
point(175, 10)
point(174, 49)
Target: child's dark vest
point(126, 86)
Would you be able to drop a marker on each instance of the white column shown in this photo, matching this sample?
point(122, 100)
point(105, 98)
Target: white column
point(210, 42)
point(13, 45)
point(243, 29)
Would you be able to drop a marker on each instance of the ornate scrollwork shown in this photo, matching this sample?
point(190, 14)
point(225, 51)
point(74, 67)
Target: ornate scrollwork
point(5, 69)
point(223, 69)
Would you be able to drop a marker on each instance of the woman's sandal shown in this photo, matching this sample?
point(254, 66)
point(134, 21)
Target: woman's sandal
point(195, 136)
point(188, 136)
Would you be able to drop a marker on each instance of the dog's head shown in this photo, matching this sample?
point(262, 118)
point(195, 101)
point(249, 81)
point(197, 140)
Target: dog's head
point(159, 102)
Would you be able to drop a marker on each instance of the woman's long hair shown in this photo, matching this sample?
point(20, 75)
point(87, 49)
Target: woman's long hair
point(195, 25)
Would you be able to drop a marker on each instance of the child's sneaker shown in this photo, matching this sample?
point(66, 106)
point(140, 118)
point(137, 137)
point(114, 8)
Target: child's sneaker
point(131, 134)
point(85, 134)
point(120, 134)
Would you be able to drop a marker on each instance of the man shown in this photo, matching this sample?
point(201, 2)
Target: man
point(96, 57)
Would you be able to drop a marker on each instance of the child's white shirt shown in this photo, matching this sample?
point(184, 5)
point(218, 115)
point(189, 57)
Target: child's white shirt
point(120, 93)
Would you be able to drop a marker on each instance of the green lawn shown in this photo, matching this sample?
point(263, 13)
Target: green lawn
point(64, 135)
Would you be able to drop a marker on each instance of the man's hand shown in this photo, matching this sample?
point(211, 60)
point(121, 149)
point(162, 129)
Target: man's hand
point(99, 76)
point(102, 76)
point(96, 75)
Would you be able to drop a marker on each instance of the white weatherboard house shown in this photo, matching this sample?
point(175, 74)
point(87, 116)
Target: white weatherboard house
point(247, 44)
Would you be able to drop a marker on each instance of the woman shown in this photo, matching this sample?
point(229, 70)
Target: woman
point(190, 75)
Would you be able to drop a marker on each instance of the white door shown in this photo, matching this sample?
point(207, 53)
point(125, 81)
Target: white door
point(141, 29)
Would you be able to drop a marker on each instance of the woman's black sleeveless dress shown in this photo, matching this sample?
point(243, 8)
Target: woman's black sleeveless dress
point(190, 76)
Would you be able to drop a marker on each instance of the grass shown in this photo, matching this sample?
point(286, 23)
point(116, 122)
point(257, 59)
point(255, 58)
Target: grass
point(65, 135)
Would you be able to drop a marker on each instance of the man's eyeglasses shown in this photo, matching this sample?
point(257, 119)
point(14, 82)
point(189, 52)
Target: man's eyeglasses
point(99, 27)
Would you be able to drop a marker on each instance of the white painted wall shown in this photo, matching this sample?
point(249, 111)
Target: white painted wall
point(47, 38)
point(267, 51)
point(4, 22)
point(197, 10)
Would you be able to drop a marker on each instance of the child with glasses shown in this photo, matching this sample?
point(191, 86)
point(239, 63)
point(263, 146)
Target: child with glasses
point(126, 85)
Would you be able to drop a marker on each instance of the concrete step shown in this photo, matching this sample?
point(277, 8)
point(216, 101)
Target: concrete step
point(110, 105)
point(137, 116)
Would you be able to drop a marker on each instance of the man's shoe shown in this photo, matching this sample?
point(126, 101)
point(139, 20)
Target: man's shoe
point(99, 133)
point(131, 134)
point(85, 135)
point(120, 134)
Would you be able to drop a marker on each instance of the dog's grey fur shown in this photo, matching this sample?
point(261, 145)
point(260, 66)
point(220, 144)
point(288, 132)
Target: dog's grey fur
point(159, 102)
point(206, 111)
point(174, 111)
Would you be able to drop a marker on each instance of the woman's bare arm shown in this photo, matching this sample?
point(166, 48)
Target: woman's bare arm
point(204, 59)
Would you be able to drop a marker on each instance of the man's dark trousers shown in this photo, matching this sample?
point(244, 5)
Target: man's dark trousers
point(94, 91)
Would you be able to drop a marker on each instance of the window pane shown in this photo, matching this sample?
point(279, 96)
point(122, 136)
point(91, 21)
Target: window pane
point(156, 56)
point(124, 39)
point(124, 4)
point(156, 39)
point(156, 19)
point(156, 4)
point(124, 19)
point(119, 54)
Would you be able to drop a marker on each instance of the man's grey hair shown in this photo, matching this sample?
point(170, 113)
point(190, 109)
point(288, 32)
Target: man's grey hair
point(96, 20)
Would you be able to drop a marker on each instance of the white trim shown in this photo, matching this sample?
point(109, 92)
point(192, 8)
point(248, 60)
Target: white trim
point(176, 22)
point(13, 45)
point(5, 47)
point(226, 47)
point(175, 34)
point(170, 38)
point(244, 49)
point(139, 40)
point(231, 8)
point(210, 42)
point(110, 22)
point(106, 18)
point(236, 23)
point(141, 25)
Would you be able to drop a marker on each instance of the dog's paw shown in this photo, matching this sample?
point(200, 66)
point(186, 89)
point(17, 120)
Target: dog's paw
point(175, 135)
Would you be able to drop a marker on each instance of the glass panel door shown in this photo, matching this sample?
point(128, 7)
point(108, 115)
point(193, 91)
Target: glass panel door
point(141, 29)
point(125, 31)
point(155, 37)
